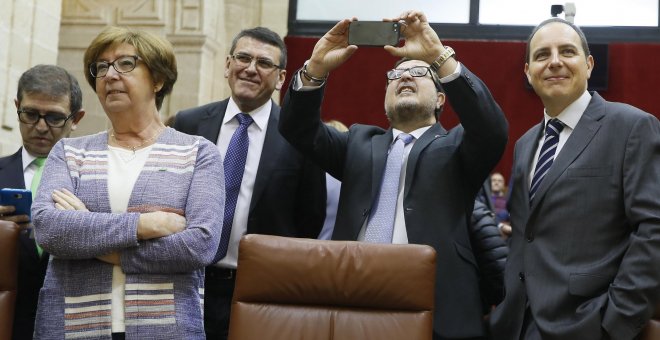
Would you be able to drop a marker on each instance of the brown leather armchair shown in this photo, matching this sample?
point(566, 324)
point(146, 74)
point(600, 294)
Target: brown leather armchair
point(9, 232)
point(289, 288)
point(652, 330)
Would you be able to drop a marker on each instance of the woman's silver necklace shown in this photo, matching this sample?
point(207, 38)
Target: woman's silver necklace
point(133, 148)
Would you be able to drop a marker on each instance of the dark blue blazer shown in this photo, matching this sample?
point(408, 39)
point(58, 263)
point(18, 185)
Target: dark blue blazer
point(31, 267)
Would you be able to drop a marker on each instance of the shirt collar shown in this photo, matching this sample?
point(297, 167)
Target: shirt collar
point(27, 158)
point(572, 113)
point(260, 115)
point(416, 133)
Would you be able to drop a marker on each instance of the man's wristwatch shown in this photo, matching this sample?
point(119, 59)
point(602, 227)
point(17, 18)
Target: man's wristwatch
point(442, 59)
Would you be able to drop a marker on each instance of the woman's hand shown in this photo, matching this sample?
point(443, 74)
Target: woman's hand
point(65, 200)
point(158, 224)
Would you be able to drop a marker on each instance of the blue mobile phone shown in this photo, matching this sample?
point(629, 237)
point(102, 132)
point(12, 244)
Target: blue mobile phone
point(21, 199)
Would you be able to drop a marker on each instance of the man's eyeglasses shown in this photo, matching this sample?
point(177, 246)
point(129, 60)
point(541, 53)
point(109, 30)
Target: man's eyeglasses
point(122, 64)
point(244, 60)
point(52, 119)
point(416, 71)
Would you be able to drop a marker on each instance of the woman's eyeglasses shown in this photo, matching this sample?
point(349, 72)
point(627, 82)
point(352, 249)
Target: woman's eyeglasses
point(122, 64)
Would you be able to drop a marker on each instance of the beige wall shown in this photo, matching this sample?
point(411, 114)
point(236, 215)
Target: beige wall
point(29, 33)
point(200, 31)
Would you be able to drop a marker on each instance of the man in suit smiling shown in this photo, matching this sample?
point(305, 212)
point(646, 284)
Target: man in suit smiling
point(49, 105)
point(280, 192)
point(585, 205)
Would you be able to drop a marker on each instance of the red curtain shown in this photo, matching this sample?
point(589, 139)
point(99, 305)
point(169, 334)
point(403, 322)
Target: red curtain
point(356, 90)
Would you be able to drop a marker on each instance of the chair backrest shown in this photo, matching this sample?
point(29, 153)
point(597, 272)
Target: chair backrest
point(289, 288)
point(9, 232)
point(652, 330)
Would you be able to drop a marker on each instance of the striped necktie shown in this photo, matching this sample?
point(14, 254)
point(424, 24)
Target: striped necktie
point(547, 154)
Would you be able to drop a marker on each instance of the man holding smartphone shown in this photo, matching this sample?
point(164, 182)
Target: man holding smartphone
point(49, 106)
point(414, 182)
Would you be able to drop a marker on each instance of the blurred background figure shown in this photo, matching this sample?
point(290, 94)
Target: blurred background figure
point(332, 187)
point(498, 199)
point(126, 213)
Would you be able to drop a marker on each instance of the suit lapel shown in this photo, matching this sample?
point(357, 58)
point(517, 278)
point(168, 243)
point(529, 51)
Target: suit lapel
point(584, 132)
point(528, 152)
point(273, 145)
point(209, 126)
point(380, 144)
point(11, 171)
point(434, 132)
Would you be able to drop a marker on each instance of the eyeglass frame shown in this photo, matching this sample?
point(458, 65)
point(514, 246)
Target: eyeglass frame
point(257, 60)
point(112, 63)
point(43, 116)
point(428, 71)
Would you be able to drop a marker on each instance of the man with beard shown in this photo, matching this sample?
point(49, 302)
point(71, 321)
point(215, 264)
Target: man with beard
point(425, 193)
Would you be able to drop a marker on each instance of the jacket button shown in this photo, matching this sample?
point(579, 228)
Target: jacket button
point(521, 276)
point(530, 238)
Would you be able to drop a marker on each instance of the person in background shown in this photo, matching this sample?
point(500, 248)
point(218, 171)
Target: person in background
point(49, 106)
point(271, 188)
point(332, 187)
point(126, 213)
point(498, 199)
point(414, 182)
point(584, 205)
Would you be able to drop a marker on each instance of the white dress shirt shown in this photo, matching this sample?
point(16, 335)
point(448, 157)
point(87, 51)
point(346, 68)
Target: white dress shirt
point(569, 117)
point(124, 168)
point(256, 134)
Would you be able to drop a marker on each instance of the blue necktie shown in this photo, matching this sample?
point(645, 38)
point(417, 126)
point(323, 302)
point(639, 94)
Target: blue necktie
point(381, 222)
point(547, 154)
point(234, 166)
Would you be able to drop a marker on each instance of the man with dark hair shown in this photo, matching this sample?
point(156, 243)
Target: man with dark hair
point(49, 106)
point(416, 181)
point(584, 205)
point(270, 187)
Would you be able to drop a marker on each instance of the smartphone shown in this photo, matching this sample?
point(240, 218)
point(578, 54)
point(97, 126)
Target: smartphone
point(21, 199)
point(373, 33)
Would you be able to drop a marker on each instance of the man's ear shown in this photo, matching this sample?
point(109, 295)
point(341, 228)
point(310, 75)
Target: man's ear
point(529, 77)
point(280, 80)
point(76, 119)
point(590, 65)
point(227, 62)
point(16, 103)
point(440, 101)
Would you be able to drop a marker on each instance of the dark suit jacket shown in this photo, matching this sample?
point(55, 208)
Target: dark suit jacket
point(31, 268)
point(289, 191)
point(586, 254)
point(444, 172)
